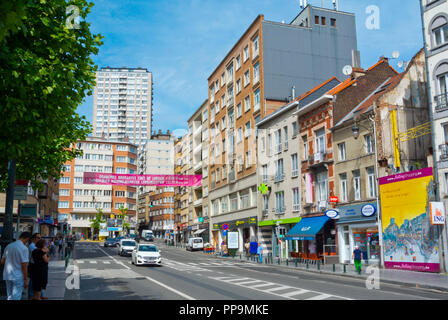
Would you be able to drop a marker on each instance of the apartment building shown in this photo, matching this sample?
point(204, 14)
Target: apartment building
point(122, 104)
point(435, 34)
point(279, 170)
point(177, 190)
point(197, 132)
point(389, 106)
point(186, 197)
point(256, 77)
point(161, 211)
point(79, 202)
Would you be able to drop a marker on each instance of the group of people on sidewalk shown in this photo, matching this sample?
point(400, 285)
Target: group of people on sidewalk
point(25, 264)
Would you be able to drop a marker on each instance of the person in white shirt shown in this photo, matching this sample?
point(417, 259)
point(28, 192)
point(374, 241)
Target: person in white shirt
point(312, 248)
point(15, 272)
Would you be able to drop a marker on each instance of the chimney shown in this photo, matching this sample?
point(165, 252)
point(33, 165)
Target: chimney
point(168, 132)
point(358, 72)
point(383, 58)
point(293, 92)
point(160, 131)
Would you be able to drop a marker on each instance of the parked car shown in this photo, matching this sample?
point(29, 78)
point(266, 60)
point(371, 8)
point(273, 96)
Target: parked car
point(110, 242)
point(126, 246)
point(149, 237)
point(146, 254)
point(195, 244)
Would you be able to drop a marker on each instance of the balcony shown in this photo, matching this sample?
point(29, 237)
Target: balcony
point(197, 203)
point(279, 177)
point(198, 167)
point(265, 212)
point(281, 210)
point(197, 149)
point(197, 131)
point(443, 148)
point(441, 102)
point(230, 102)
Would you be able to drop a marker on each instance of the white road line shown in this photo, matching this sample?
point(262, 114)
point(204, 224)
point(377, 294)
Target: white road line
point(204, 264)
point(249, 282)
point(320, 297)
point(295, 293)
point(171, 289)
point(106, 262)
point(92, 261)
point(115, 260)
point(278, 289)
point(262, 285)
point(237, 279)
point(80, 261)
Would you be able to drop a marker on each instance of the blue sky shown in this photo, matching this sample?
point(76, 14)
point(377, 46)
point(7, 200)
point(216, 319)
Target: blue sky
point(182, 41)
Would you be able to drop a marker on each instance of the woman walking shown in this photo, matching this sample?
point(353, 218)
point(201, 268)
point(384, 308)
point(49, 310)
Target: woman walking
point(39, 269)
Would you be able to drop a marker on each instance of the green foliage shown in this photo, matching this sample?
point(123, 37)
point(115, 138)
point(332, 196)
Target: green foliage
point(46, 71)
point(95, 223)
point(123, 216)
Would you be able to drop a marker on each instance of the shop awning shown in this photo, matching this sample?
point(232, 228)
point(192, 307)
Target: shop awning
point(307, 228)
point(199, 231)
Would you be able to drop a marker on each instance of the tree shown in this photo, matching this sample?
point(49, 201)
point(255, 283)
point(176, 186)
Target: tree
point(123, 216)
point(46, 71)
point(96, 223)
point(12, 14)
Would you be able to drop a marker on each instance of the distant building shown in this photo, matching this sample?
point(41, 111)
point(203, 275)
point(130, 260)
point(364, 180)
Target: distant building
point(122, 104)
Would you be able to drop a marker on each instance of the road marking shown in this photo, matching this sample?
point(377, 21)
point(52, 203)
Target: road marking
point(115, 260)
point(251, 281)
point(295, 293)
point(171, 289)
point(92, 261)
point(278, 289)
point(266, 284)
point(320, 297)
point(106, 262)
point(80, 261)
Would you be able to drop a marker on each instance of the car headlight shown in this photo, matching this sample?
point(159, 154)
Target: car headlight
point(140, 257)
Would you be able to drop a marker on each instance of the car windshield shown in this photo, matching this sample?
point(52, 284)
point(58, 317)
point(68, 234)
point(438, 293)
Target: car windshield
point(110, 240)
point(129, 243)
point(197, 240)
point(147, 248)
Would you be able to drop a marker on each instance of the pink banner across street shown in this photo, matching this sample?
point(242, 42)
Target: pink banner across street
point(142, 180)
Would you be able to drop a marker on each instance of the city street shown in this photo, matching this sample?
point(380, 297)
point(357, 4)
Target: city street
point(184, 275)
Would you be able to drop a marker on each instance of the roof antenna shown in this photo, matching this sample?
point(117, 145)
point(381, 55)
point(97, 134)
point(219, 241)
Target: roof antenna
point(335, 4)
point(301, 4)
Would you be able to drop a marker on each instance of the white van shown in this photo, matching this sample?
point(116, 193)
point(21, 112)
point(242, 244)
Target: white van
point(195, 244)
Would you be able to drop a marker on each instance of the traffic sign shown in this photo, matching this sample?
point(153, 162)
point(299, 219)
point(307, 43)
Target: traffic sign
point(20, 192)
point(224, 233)
point(225, 226)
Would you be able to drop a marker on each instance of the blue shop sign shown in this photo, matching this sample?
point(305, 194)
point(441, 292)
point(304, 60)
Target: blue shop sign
point(357, 212)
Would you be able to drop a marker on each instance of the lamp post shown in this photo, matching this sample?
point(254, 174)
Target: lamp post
point(356, 132)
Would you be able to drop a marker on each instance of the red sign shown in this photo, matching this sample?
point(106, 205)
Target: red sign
point(334, 199)
point(21, 182)
point(225, 226)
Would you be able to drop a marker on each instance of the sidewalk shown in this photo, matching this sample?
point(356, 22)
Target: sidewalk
point(425, 280)
point(56, 279)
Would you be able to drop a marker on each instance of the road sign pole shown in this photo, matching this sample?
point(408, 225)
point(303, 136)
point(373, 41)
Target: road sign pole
point(18, 220)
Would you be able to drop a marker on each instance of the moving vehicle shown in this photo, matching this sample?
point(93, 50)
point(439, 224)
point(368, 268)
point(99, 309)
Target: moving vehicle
point(146, 254)
point(110, 242)
point(147, 232)
point(195, 244)
point(149, 237)
point(126, 246)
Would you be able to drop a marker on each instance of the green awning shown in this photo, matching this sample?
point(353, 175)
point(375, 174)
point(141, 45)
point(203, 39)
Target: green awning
point(280, 221)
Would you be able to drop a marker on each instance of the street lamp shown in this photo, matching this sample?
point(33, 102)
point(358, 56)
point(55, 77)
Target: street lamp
point(356, 132)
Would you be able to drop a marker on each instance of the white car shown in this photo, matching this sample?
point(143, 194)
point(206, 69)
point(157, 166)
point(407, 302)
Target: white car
point(146, 254)
point(126, 246)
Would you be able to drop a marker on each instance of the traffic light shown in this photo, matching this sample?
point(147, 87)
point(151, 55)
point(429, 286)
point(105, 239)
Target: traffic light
point(64, 228)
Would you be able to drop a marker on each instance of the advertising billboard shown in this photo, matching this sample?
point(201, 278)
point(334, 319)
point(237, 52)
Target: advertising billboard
point(410, 240)
point(232, 240)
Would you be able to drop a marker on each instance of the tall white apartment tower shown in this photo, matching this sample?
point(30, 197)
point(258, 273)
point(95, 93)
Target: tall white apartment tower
point(122, 104)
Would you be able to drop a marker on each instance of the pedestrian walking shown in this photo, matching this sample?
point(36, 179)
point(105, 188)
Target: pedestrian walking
point(60, 246)
point(52, 247)
point(357, 256)
point(39, 269)
point(260, 252)
point(34, 238)
point(15, 261)
point(247, 247)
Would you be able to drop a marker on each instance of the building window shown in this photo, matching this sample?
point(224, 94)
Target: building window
point(256, 73)
point(65, 180)
point(63, 204)
point(247, 132)
point(238, 86)
point(257, 100)
point(341, 148)
point(285, 132)
point(265, 173)
point(295, 165)
point(246, 78)
point(322, 189)
point(371, 182)
point(324, 21)
point(316, 19)
point(295, 199)
point(247, 104)
point(343, 179)
point(265, 205)
point(278, 139)
point(357, 184)
point(255, 47)
point(279, 172)
point(333, 22)
point(239, 112)
point(246, 53)
point(305, 148)
point(320, 141)
point(369, 143)
point(443, 84)
point(280, 202)
point(441, 34)
point(295, 129)
point(64, 192)
point(239, 136)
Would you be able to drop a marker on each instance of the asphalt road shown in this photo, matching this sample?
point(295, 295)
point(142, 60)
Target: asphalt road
point(188, 275)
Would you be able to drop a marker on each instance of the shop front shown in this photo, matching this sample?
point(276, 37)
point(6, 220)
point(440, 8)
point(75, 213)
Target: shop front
point(202, 231)
point(273, 236)
point(48, 226)
point(313, 238)
point(246, 229)
point(357, 226)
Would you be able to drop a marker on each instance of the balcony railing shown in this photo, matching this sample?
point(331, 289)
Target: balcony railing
point(441, 102)
point(279, 177)
point(281, 210)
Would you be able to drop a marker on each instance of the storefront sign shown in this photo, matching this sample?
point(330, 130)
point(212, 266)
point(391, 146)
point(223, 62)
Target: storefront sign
point(332, 214)
point(232, 240)
point(334, 199)
point(368, 210)
point(252, 221)
point(279, 221)
point(437, 213)
point(409, 240)
point(353, 213)
point(142, 180)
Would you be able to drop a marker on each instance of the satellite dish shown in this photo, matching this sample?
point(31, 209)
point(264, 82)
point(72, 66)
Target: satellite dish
point(347, 70)
point(395, 54)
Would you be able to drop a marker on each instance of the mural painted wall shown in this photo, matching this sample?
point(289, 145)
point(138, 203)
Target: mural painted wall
point(410, 241)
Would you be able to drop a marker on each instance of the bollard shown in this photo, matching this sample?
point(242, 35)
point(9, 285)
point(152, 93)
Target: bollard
point(287, 262)
point(307, 265)
point(296, 263)
point(345, 268)
point(318, 265)
point(278, 260)
point(334, 268)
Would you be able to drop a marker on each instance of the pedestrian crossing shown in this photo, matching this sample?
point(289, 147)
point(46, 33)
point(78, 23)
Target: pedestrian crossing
point(197, 266)
point(96, 262)
point(284, 291)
